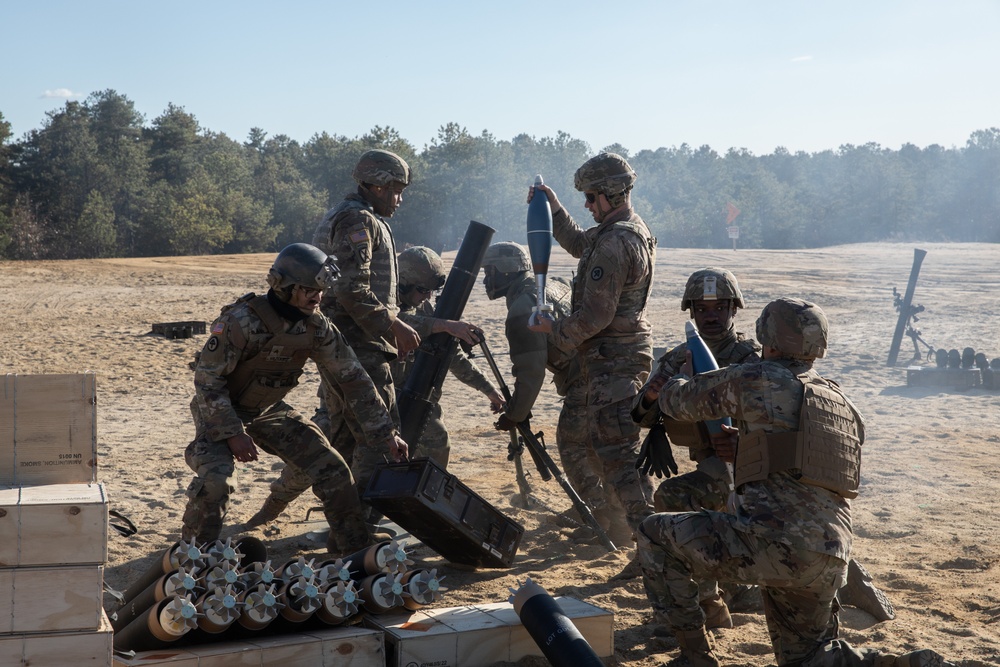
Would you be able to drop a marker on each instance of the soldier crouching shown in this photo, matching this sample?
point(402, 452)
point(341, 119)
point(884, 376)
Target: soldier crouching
point(253, 358)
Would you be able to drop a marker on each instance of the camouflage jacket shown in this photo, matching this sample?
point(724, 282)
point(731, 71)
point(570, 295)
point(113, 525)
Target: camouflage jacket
point(530, 352)
point(767, 396)
point(239, 334)
point(363, 303)
point(462, 367)
point(613, 280)
point(733, 347)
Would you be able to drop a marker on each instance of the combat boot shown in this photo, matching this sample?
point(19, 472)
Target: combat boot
point(860, 592)
point(269, 511)
point(716, 613)
point(697, 649)
point(920, 658)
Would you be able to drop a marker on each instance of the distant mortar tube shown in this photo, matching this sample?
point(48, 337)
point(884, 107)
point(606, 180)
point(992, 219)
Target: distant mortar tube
point(339, 602)
point(179, 582)
point(180, 554)
point(906, 306)
point(381, 592)
point(539, 225)
point(219, 609)
point(159, 626)
point(387, 556)
point(553, 631)
point(421, 587)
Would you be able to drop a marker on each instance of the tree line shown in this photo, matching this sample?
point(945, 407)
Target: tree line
point(97, 180)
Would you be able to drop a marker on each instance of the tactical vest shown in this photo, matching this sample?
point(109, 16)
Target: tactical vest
point(383, 272)
point(632, 301)
point(264, 379)
point(826, 450)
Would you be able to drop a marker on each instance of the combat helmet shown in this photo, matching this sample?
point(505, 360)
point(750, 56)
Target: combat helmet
point(509, 262)
point(507, 257)
point(301, 264)
point(420, 266)
point(711, 284)
point(797, 328)
point(607, 173)
point(379, 167)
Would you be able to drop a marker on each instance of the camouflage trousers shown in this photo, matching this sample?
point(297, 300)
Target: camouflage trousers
point(433, 441)
point(613, 372)
point(282, 432)
point(579, 461)
point(798, 587)
point(706, 487)
point(344, 430)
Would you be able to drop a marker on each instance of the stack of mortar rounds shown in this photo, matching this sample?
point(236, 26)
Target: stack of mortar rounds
point(229, 591)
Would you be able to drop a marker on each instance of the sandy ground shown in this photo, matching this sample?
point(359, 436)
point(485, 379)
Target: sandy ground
point(926, 523)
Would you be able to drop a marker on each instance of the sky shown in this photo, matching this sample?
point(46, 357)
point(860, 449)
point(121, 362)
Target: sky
point(756, 75)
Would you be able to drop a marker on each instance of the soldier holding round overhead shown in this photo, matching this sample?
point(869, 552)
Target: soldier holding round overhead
point(607, 325)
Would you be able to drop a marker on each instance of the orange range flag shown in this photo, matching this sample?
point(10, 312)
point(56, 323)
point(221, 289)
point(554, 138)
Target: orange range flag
point(731, 213)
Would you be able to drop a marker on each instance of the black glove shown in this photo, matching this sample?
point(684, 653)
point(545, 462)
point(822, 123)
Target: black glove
point(656, 455)
point(505, 423)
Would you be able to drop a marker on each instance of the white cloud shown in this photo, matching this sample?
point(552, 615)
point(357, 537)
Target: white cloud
point(799, 59)
point(60, 93)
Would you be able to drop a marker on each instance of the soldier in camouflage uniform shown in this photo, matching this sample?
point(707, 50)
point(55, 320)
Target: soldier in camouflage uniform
point(608, 327)
point(797, 465)
point(713, 296)
point(421, 273)
point(252, 359)
point(507, 273)
point(362, 304)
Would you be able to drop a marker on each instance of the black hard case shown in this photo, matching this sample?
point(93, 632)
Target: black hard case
point(443, 513)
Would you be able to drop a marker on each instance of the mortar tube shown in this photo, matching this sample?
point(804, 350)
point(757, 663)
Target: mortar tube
point(177, 582)
point(161, 625)
point(179, 554)
point(561, 643)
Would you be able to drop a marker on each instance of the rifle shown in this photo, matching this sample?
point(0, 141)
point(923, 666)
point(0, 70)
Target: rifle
point(547, 468)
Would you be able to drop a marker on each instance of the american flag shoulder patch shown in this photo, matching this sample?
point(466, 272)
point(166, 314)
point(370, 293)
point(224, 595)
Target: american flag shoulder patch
point(359, 236)
point(218, 327)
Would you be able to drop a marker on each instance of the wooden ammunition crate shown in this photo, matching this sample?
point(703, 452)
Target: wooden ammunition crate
point(54, 524)
point(58, 649)
point(351, 646)
point(479, 634)
point(51, 599)
point(48, 429)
